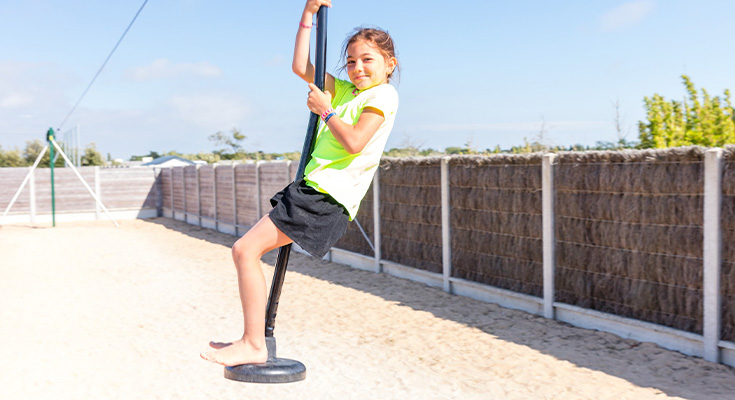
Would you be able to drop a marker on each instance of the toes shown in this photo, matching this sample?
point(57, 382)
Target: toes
point(209, 356)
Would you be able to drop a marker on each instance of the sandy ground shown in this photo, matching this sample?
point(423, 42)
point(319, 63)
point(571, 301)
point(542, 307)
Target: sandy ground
point(90, 311)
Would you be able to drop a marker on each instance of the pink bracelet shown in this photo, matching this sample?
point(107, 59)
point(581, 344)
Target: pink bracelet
point(301, 24)
point(327, 112)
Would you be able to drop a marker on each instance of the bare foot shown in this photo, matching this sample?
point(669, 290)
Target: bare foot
point(237, 353)
point(219, 345)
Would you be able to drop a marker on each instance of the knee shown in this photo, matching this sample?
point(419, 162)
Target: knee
point(239, 250)
point(243, 250)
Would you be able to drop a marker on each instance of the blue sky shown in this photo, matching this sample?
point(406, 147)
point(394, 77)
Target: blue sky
point(486, 72)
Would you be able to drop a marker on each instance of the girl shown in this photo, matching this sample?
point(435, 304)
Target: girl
point(314, 210)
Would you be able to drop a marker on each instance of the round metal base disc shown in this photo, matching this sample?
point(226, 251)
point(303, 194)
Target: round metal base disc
point(278, 370)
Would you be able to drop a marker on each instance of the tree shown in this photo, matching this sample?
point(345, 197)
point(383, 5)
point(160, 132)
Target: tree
point(469, 145)
point(231, 142)
point(151, 154)
point(292, 155)
point(709, 122)
point(454, 150)
point(34, 148)
point(11, 158)
point(430, 152)
point(622, 130)
point(209, 158)
point(409, 147)
point(530, 147)
point(91, 156)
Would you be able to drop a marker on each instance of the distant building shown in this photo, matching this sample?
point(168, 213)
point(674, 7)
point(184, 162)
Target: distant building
point(169, 161)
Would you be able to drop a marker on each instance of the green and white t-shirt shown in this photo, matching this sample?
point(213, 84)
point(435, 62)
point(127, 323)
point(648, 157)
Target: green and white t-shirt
point(344, 176)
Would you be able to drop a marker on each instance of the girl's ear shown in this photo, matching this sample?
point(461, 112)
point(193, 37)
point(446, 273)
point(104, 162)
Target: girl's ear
point(392, 62)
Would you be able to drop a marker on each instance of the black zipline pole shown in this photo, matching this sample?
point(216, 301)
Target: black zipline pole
point(284, 252)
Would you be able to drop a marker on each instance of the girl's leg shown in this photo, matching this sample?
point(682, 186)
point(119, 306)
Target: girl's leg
point(246, 254)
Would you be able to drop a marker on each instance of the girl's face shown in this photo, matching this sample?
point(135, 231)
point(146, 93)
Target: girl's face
point(366, 65)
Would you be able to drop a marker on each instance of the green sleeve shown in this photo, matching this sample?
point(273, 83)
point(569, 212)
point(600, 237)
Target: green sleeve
point(342, 89)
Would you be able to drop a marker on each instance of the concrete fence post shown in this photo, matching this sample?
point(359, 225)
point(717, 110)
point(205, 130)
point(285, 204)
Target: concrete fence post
point(98, 192)
point(171, 191)
point(199, 199)
point(376, 221)
point(32, 194)
point(446, 227)
point(257, 189)
point(234, 199)
point(183, 189)
point(158, 179)
point(712, 253)
point(288, 173)
point(214, 195)
point(549, 232)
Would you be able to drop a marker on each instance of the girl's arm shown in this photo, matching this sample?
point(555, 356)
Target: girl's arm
point(352, 137)
point(302, 65)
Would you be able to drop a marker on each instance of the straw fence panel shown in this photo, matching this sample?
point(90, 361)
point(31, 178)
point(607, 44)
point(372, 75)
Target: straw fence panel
point(207, 191)
point(354, 240)
point(178, 188)
point(247, 194)
point(10, 181)
point(496, 220)
point(70, 193)
point(191, 189)
point(225, 194)
point(410, 212)
point(728, 245)
point(128, 188)
point(628, 225)
point(166, 195)
point(629, 234)
point(273, 178)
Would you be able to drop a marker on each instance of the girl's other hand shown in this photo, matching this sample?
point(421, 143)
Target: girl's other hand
point(312, 6)
point(318, 101)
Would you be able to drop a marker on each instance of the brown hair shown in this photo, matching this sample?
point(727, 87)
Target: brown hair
point(379, 38)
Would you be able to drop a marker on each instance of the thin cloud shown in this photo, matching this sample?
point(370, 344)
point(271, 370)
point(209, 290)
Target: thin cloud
point(529, 126)
point(30, 84)
point(32, 99)
point(275, 61)
point(181, 123)
point(15, 100)
point(165, 69)
point(626, 15)
point(210, 110)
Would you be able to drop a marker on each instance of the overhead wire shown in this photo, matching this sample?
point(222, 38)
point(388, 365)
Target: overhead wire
point(103, 66)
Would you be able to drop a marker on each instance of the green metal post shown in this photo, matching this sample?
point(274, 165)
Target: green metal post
point(49, 136)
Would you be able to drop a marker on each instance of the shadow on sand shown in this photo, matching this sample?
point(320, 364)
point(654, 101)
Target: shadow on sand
point(670, 372)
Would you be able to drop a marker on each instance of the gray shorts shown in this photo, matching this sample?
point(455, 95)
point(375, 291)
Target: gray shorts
point(312, 219)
